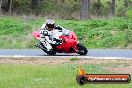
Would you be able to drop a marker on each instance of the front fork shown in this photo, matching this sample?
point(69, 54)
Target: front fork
point(76, 48)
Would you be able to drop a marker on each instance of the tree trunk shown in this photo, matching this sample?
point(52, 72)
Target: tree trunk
point(126, 3)
point(35, 7)
point(113, 8)
point(63, 1)
point(10, 10)
point(5, 5)
point(34, 4)
point(84, 13)
point(0, 6)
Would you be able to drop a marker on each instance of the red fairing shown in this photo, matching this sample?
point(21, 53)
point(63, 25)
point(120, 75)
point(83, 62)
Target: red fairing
point(36, 34)
point(68, 43)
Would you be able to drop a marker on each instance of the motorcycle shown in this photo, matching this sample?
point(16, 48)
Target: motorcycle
point(66, 44)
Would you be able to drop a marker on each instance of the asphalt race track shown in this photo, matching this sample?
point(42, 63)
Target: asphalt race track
point(111, 53)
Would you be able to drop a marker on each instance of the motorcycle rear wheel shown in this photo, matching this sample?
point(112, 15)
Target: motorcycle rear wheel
point(82, 49)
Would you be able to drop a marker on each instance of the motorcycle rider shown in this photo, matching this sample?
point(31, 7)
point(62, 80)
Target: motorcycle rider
point(47, 32)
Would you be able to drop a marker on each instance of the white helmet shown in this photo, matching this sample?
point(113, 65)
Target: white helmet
point(50, 24)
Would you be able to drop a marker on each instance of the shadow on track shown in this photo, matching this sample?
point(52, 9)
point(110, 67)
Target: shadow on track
point(62, 55)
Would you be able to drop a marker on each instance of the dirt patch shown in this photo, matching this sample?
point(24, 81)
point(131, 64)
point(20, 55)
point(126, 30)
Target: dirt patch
point(43, 60)
point(114, 65)
point(31, 61)
point(125, 70)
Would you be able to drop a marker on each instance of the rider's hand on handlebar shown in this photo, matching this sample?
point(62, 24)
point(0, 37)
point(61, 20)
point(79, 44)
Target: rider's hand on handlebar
point(54, 42)
point(66, 32)
point(57, 41)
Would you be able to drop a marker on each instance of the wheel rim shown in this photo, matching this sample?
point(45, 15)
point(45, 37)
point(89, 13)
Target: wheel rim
point(81, 51)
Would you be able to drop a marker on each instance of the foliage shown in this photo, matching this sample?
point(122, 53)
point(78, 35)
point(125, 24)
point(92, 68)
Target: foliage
point(67, 8)
point(129, 14)
point(11, 26)
point(95, 33)
point(73, 59)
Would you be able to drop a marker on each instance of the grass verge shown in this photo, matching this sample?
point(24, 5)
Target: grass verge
point(56, 75)
point(95, 33)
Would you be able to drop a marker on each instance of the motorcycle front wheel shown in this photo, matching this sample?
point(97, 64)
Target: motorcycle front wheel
point(82, 50)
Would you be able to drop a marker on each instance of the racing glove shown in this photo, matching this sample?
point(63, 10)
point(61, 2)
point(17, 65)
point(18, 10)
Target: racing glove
point(66, 32)
point(56, 42)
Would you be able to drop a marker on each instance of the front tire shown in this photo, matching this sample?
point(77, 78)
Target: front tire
point(82, 49)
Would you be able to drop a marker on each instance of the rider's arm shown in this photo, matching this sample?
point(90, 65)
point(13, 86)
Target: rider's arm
point(63, 30)
point(60, 28)
point(44, 36)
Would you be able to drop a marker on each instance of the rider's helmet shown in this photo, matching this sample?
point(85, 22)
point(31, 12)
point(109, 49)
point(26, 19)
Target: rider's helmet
point(50, 24)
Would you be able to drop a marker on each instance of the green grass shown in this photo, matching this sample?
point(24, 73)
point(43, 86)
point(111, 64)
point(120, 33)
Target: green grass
point(45, 76)
point(15, 32)
point(73, 59)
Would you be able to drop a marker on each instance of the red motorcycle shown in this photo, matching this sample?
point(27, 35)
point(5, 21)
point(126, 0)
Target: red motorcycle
point(68, 44)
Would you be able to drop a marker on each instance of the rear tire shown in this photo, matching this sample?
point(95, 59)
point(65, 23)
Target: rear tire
point(82, 49)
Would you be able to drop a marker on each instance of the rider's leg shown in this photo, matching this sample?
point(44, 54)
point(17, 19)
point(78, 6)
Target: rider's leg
point(47, 45)
point(44, 45)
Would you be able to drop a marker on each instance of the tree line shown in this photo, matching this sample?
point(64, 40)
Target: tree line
point(64, 8)
point(86, 4)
